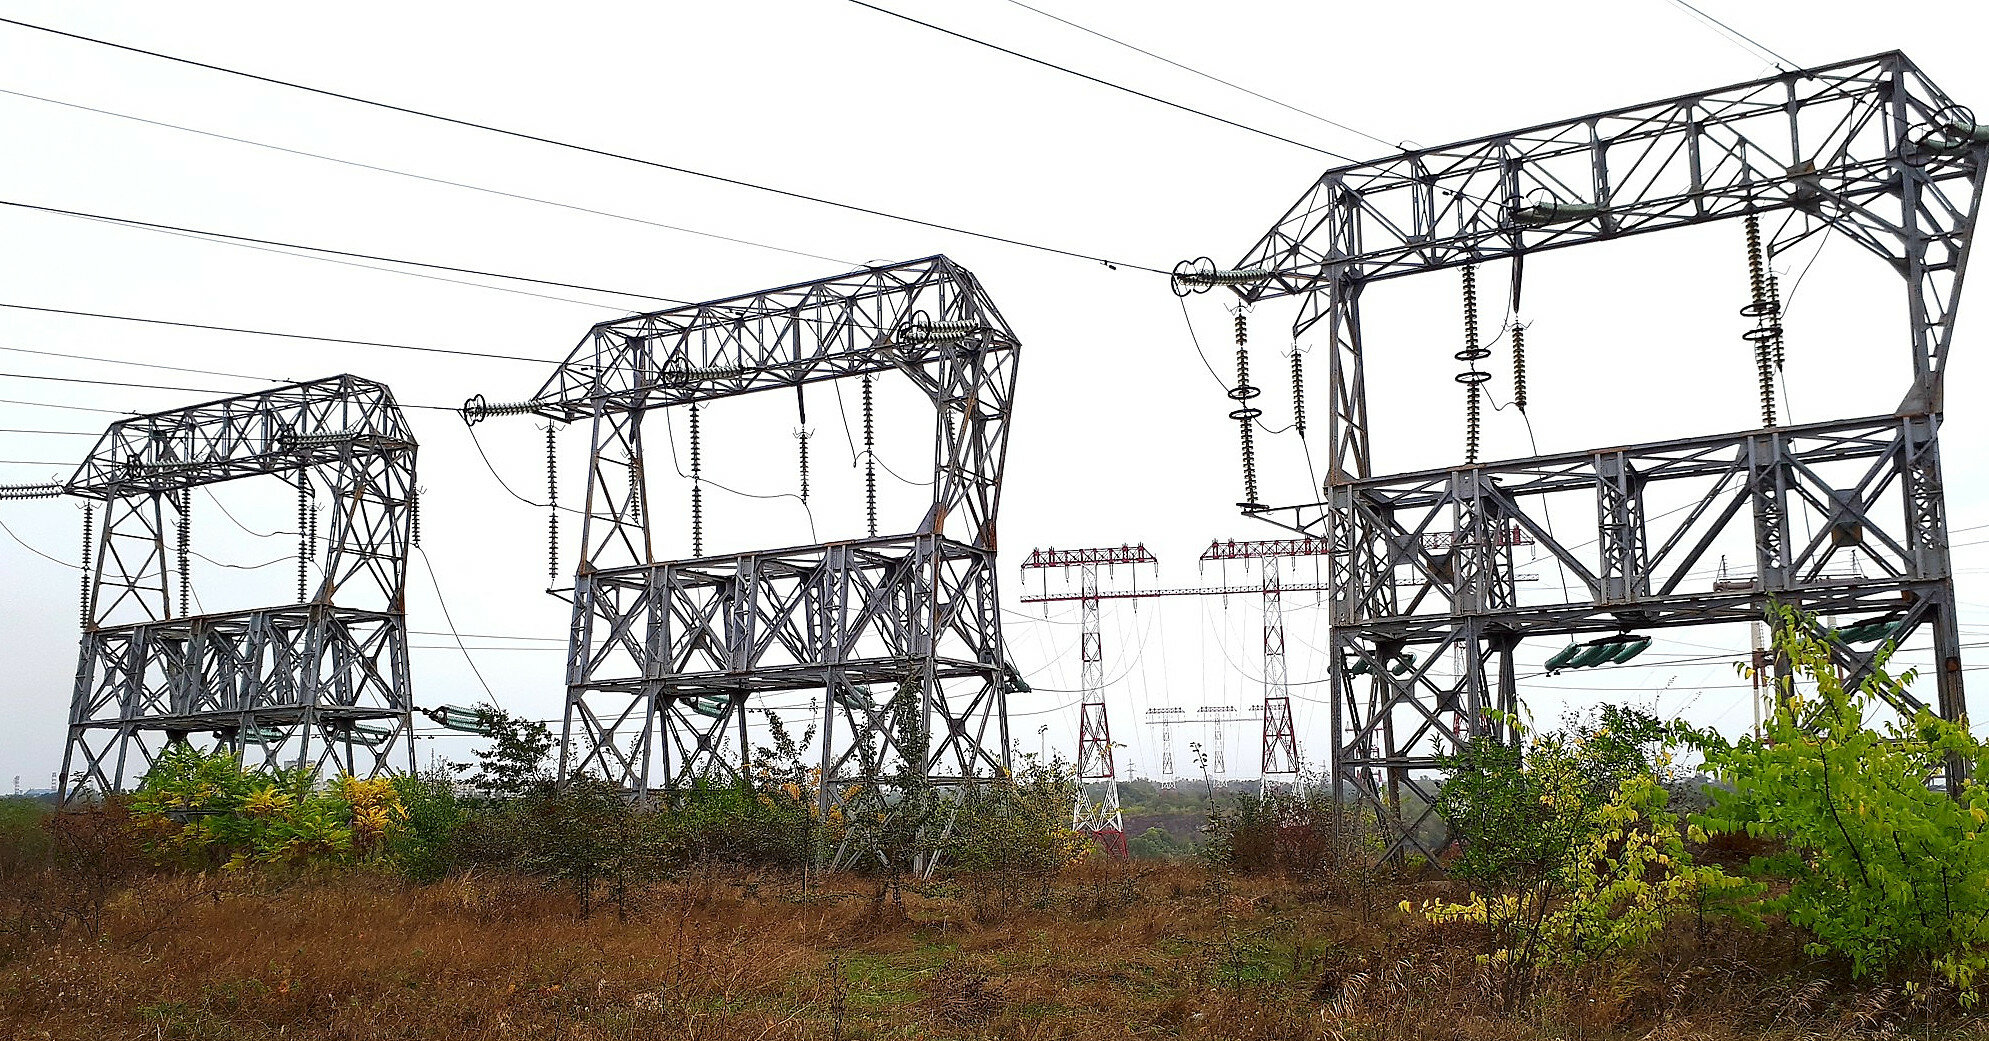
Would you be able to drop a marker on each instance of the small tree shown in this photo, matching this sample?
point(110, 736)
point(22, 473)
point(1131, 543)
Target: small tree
point(1572, 841)
point(1882, 870)
point(515, 762)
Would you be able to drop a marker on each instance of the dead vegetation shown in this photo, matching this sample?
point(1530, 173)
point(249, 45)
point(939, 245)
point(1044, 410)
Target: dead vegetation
point(1100, 952)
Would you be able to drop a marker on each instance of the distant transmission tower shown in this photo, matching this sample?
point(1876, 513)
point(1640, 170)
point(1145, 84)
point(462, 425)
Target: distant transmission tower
point(1099, 818)
point(1280, 737)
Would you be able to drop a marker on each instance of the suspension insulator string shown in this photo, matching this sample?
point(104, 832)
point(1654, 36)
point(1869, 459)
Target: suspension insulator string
point(89, 545)
point(552, 507)
point(303, 529)
point(184, 503)
point(1473, 378)
point(1297, 391)
point(414, 517)
point(1519, 365)
point(801, 434)
point(634, 489)
point(1244, 414)
point(1765, 309)
point(869, 458)
point(697, 487)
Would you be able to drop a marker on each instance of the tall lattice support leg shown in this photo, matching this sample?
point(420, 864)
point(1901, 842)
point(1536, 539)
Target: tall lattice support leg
point(611, 730)
point(1095, 761)
point(1279, 764)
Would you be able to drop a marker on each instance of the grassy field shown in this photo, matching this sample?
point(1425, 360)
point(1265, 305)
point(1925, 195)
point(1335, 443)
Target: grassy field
point(1145, 951)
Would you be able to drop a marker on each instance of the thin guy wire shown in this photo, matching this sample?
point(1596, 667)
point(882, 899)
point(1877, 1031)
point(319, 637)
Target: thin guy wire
point(1207, 76)
point(585, 149)
point(1103, 82)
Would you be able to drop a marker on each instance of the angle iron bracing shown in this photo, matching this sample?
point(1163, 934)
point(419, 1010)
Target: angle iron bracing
point(666, 655)
point(321, 684)
point(1870, 149)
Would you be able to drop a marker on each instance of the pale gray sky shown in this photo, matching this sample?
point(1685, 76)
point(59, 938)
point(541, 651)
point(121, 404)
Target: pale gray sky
point(1119, 433)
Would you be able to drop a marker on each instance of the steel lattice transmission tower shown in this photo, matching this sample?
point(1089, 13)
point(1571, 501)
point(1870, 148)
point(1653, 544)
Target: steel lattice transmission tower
point(1869, 149)
point(900, 633)
point(1280, 736)
point(1095, 762)
point(321, 683)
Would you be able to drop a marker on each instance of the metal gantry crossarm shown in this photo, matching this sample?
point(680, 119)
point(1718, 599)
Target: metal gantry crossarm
point(665, 654)
point(1870, 149)
point(322, 683)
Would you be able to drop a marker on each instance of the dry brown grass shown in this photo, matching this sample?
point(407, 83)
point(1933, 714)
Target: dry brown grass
point(1150, 952)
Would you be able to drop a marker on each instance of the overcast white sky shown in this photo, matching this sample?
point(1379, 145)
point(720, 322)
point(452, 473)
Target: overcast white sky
point(1119, 433)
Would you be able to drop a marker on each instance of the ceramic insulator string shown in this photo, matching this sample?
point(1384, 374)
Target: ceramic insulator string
point(869, 458)
point(1519, 366)
point(1297, 390)
point(697, 488)
point(1765, 308)
point(552, 507)
point(183, 503)
point(414, 518)
point(89, 545)
point(634, 489)
point(303, 517)
point(1244, 414)
point(1473, 378)
point(801, 435)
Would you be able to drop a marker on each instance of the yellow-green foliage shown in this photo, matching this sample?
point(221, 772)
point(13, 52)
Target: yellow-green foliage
point(1880, 869)
point(1622, 879)
point(202, 811)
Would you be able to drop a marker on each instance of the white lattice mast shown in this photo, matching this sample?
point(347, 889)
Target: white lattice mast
point(1280, 765)
point(1096, 765)
point(1100, 818)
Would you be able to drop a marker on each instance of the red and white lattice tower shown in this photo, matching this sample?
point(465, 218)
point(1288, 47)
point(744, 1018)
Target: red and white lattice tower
point(1098, 817)
point(1280, 737)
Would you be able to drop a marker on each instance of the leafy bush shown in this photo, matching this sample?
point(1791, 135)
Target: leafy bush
point(201, 811)
point(1881, 869)
point(1573, 841)
point(426, 848)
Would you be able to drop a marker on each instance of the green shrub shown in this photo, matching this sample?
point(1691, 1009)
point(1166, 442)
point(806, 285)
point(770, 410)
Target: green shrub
point(1880, 869)
point(426, 848)
point(201, 811)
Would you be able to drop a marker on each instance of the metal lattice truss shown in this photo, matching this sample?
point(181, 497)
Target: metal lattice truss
point(320, 684)
point(1869, 149)
point(664, 656)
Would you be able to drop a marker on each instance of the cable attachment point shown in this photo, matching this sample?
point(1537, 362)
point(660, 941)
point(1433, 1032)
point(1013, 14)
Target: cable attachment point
point(1200, 274)
point(476, 409)
point(1473, 378)
point(920, 328)
point(1245, 414)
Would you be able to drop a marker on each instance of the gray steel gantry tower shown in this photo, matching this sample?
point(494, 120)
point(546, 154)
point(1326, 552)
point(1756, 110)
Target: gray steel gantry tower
point(665, 655)
point(1869, 149)
point(321, 683)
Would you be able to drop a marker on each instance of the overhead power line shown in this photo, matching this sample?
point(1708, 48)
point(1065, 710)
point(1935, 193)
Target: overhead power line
point(1336, 124)
point(1740, 37)
point(328, 252)
point(604, 153)
point(159, 386)
point(280, 335)
point(575, 207)
point(1102, 82)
